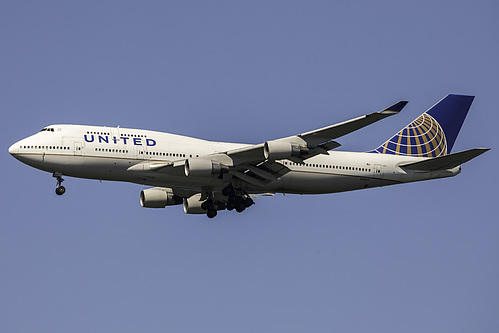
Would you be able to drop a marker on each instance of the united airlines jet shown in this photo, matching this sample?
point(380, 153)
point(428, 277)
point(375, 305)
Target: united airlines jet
point(206, 177)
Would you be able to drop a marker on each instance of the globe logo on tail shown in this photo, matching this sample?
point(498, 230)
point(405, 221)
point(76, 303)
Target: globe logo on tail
point(424, 137)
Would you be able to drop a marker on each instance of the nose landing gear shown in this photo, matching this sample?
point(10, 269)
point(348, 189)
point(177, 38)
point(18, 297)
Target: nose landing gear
point(59, 190)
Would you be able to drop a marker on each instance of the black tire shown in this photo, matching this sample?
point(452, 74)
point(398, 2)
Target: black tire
point(227, 191)
point(239, 200)
point(248, 202)
point(60, 190)
point(212, 213)
point(240, 207)
point(206, 205)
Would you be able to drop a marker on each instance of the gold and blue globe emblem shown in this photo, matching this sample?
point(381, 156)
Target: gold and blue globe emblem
point(423, 137)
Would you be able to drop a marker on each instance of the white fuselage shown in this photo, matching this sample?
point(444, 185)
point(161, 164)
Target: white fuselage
point(106, 153)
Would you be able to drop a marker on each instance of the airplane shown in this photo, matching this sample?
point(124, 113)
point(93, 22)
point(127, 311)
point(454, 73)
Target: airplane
point(207, 177)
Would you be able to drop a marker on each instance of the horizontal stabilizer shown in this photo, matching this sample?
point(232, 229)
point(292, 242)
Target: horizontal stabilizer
point(445, 162)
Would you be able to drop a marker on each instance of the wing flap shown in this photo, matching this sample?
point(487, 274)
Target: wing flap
point(174, 168)
point(149, 166)
point(261, 174)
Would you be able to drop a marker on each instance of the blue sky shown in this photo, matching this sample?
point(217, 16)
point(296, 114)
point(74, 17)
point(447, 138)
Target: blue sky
point(416, 257)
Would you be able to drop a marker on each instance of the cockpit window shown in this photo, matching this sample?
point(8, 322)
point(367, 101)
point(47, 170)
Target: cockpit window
point(47, 129)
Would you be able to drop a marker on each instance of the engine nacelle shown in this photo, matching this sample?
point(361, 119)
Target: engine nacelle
point(198, 167)
point(279, 150)
point(159, 197)
point(193, 204)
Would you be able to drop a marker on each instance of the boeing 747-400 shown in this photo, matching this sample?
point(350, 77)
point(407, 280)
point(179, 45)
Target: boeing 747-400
point(206, 177)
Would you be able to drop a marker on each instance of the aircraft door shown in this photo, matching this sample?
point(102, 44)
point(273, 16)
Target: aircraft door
point(141, 154)
point(378, 171)
point(115, 136)
point(78, 149)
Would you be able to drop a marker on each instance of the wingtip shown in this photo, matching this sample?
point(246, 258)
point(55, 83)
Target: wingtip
point(396, 108)
point(483, 150)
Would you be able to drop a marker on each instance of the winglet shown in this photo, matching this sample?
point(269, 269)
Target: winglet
point(395, 108)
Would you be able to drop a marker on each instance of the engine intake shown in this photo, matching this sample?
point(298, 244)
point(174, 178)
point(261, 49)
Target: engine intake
point(198, 167)
point(278, 150)
point(158, 197)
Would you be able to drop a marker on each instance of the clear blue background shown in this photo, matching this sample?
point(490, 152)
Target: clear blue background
point(420, 257)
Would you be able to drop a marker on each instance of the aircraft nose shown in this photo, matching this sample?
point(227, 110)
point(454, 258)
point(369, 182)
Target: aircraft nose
point(13, 149)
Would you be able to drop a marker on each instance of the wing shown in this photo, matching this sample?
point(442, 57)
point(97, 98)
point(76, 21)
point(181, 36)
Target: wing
point(257, 164)
point(314, 142)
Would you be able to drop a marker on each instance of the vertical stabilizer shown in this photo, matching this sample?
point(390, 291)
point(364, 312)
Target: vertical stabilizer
point(433, 133)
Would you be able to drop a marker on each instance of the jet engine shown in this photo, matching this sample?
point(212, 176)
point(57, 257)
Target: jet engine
point(159, 197)
point(196, 205)
point(193, 204)
point(278, 150)
point(198, 167)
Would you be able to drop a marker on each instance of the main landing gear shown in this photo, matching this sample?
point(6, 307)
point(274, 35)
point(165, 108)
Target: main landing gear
point(236, 199)
point(59, 190)
point(212, 207)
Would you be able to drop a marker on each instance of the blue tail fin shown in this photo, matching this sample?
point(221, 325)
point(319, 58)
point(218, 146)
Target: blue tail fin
point(433, 133)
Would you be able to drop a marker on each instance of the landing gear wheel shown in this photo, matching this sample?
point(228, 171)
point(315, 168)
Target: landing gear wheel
point(239, 201)
point(240, 207)
point(206, 205)
point(60, 190)
point(211, 213)
point(228, 191)
point(248, 202)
